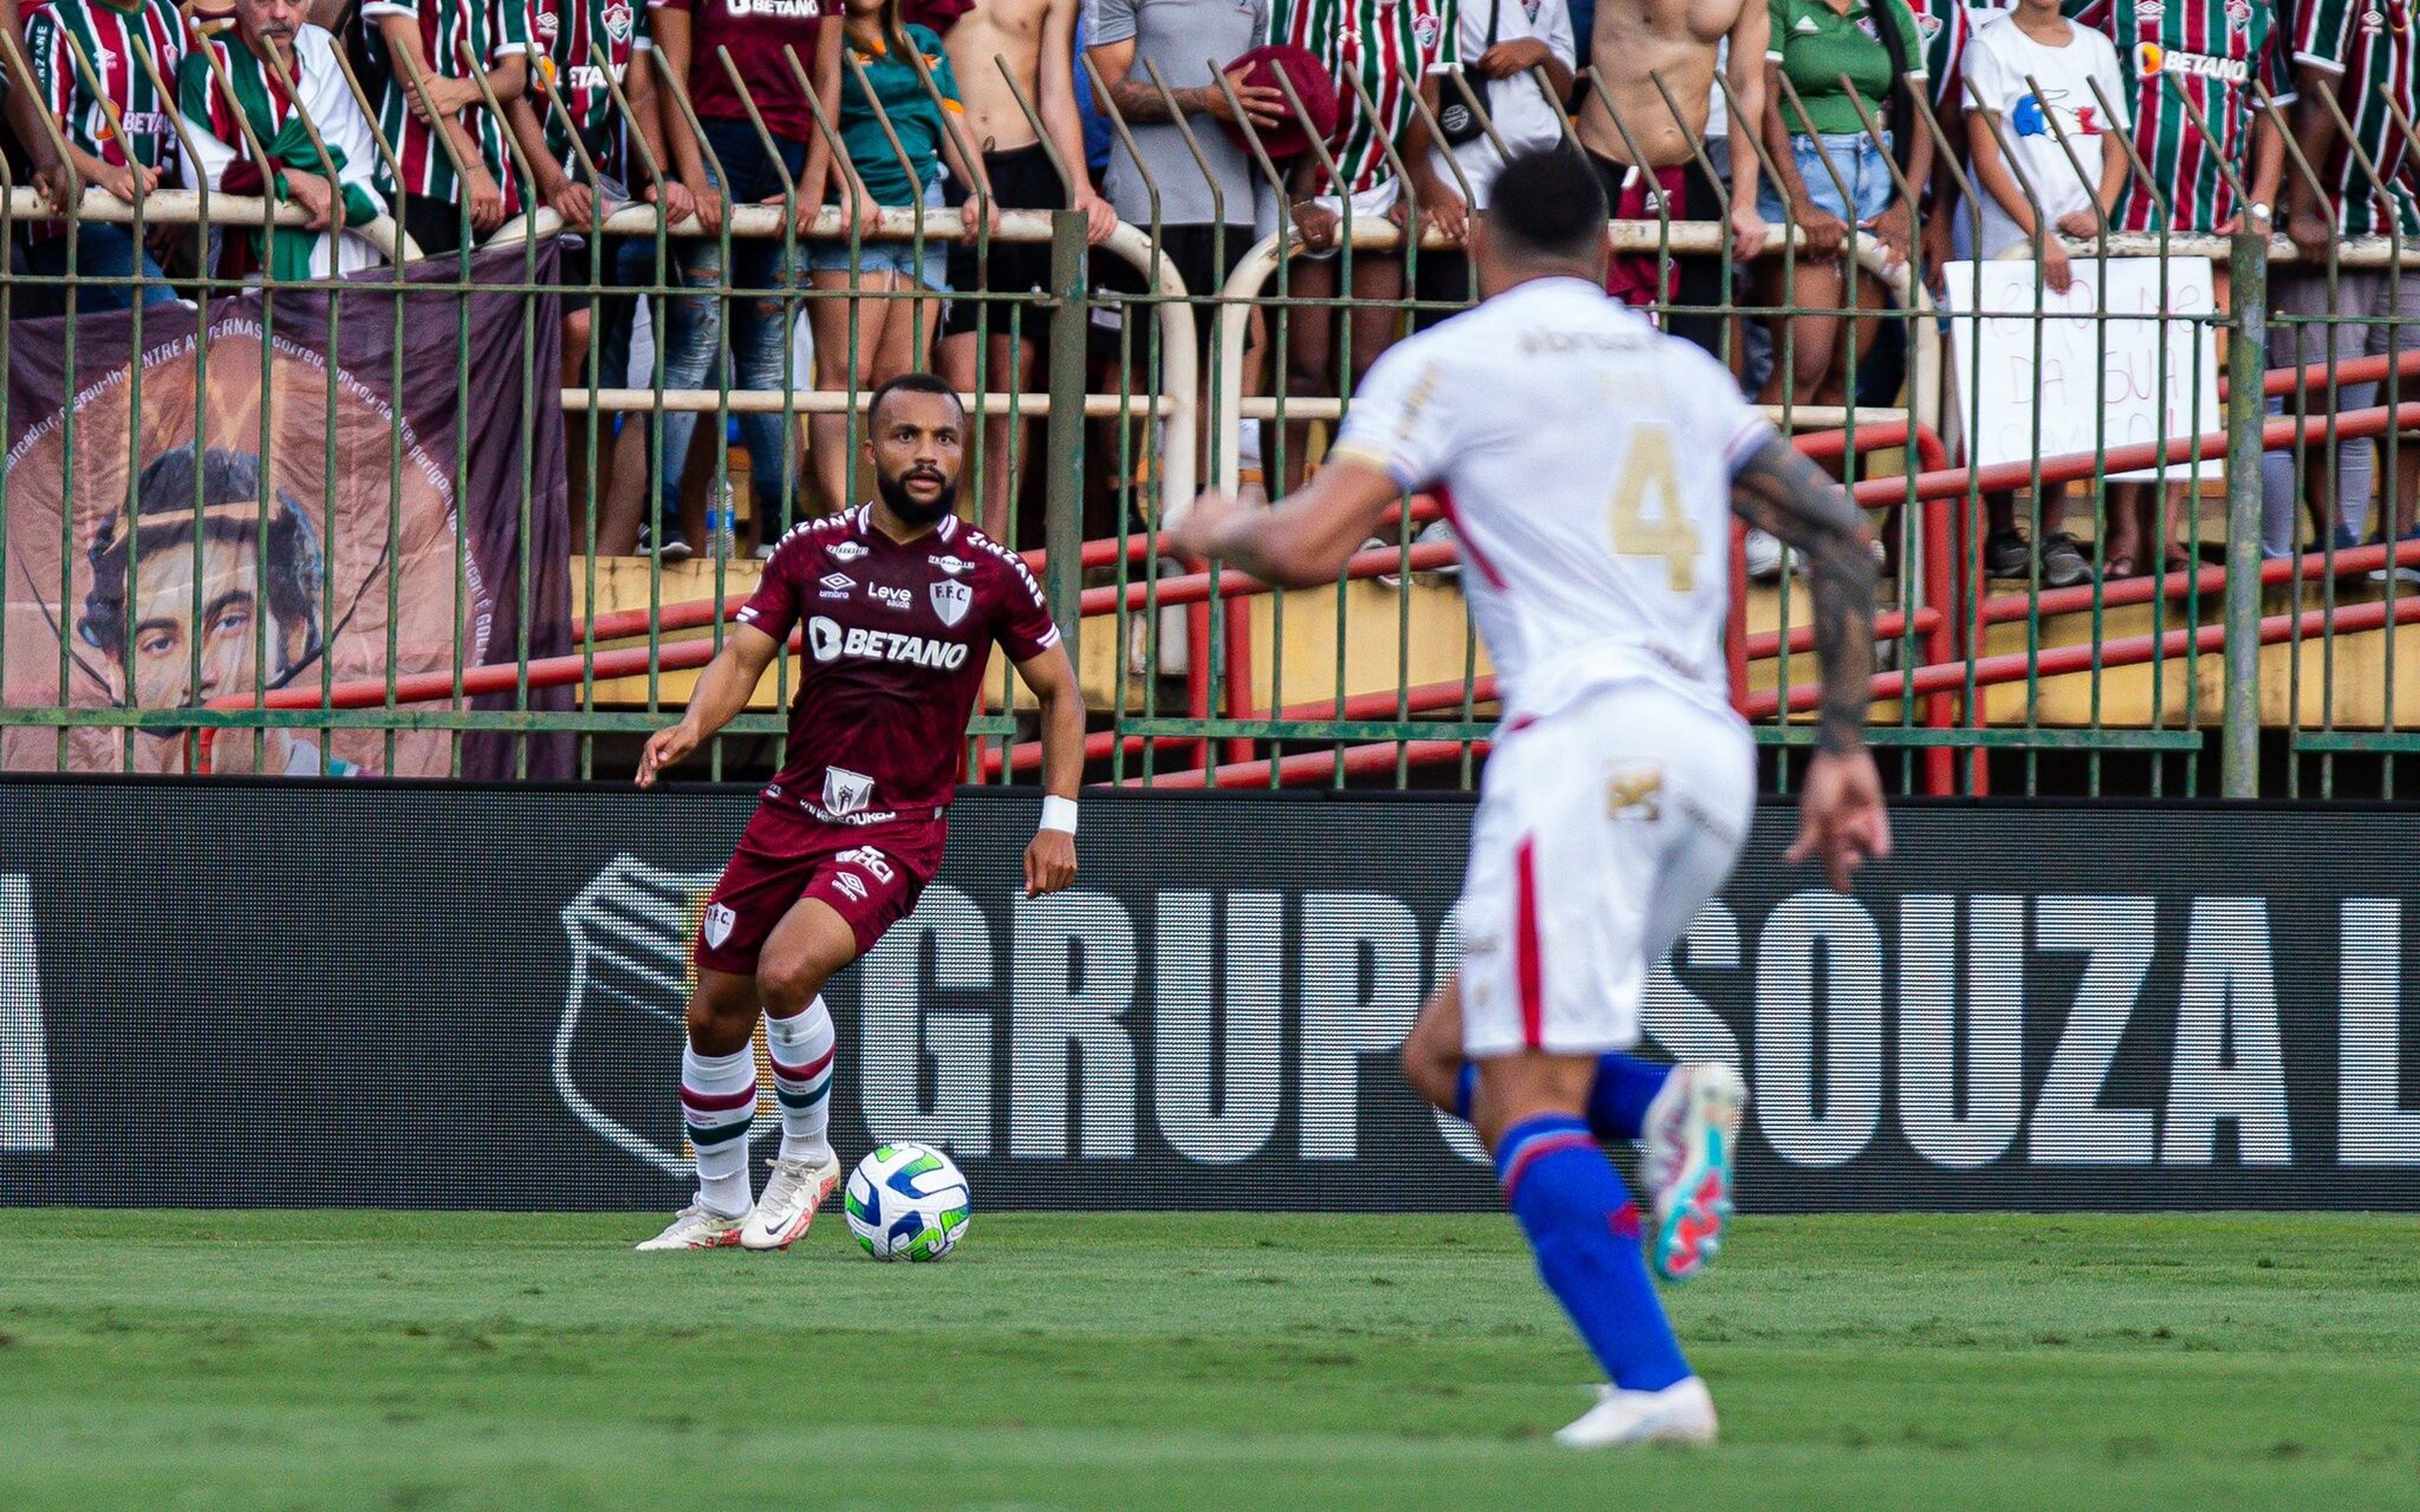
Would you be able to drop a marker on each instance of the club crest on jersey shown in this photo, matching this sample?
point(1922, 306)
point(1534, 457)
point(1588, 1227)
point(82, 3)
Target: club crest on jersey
point(846, 792)
point(951, 600)
point(1634, 790)
point(718, 923)
point(2239, 15)
point(1425, 30)
point(619, 18)
point(1930, 24)
point(845, 552)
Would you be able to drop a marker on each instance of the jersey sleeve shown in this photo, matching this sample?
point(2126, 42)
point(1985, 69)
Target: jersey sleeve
point(2274, 69)
point(55, 75)
point(1913, 62)
point(1555, 30)
point(515, 25)
point(2322, 33)
point(774, 607)
point(1023, 626)
point(1990, 85)
point(1109, 21)
point(1710, 396)
point(1447, 55)
point(1393, 422)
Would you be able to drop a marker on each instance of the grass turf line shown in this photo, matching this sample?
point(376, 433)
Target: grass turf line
point(1180, 1362)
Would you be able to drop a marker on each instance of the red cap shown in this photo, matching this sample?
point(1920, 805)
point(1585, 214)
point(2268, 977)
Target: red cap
point(1311, 85)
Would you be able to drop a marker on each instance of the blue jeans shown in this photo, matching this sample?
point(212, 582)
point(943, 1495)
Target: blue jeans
point(1862, 164)
point(761, 319)
point(103, 252)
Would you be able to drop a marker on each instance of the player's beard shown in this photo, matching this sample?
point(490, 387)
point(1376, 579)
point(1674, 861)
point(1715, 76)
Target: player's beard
point(913, 510)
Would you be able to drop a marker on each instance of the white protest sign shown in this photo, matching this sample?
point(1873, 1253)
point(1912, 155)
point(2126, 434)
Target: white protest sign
point(2084, 382)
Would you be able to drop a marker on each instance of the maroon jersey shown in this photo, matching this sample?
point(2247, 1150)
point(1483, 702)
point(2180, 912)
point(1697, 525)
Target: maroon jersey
point(897, 639)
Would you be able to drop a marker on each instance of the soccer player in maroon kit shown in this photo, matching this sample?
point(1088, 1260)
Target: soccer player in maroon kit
point(898, 603)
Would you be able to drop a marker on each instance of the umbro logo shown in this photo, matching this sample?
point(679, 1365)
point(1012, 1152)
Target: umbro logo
point(839, 581)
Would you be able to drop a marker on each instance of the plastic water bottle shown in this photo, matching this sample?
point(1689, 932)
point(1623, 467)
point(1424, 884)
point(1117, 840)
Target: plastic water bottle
point(721, 522)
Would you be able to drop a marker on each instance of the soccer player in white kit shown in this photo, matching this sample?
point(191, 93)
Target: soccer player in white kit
point(1590, 465)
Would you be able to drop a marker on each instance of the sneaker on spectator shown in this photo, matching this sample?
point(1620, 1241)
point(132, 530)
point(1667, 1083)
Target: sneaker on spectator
point(1430, 534)
point(664, 541)
point(2063, 561)
point(1764, 554)
point(2008, 554)
point(2404, 573)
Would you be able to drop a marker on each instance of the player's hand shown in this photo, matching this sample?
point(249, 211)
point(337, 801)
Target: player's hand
point(1209, 524)
point(127, 183)
point(1049, 862)
point(1841, 822)
point(51, 176)
point(1440, 207)
point(666, 749)
point(981, 214)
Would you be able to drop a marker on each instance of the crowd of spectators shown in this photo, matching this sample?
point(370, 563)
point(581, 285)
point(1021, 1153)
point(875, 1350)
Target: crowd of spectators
point(1233, 117)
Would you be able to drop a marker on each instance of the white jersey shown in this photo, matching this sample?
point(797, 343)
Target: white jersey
point(1584, 460)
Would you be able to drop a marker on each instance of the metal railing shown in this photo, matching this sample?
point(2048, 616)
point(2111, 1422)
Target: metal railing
point(2207, 669)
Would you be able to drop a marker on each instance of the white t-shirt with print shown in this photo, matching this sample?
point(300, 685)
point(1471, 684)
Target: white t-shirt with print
point(1520, 110)
point(1998, 61)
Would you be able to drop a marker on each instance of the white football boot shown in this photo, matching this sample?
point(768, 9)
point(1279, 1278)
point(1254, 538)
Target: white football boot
point(1689, 1141)
point(694, 1228)
point(791, 1201)
point(1682, 1413)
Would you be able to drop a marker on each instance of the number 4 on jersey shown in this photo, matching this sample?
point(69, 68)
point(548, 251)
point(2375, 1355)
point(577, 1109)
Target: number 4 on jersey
point(1648, 467)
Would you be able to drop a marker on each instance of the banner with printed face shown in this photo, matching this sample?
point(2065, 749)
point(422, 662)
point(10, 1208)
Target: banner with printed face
point(282, 491)
point(422, 994)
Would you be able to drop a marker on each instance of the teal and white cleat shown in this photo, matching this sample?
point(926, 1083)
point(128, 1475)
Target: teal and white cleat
point(1691, 1138)
point(1682, 1413)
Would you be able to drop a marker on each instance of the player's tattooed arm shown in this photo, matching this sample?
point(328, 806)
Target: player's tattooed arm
point(1779, 490)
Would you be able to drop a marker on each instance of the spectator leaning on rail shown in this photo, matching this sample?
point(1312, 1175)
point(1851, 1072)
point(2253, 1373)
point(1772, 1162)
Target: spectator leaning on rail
point(1035, 40)
point(1502, 43)
point(1202, 232)
point(861, 343)
point(1639, 51)
point(2211, 54)
point(1817, 44)
point(273, 78)
point(2064, 155)
point(440, 43)
point(2358, 52)
point(732, 166)
point(1390, 46)
point(24, 113)
point(119, 138)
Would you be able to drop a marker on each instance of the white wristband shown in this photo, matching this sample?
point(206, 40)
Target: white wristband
point(1058, 813)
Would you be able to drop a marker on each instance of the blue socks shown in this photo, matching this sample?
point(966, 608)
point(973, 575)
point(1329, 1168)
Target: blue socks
point(1584, 1229)
point(1618, 1104)
point(1624, 1085)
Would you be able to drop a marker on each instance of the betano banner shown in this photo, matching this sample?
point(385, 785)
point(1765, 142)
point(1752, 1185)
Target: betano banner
point(313, 484)
point(422, 994)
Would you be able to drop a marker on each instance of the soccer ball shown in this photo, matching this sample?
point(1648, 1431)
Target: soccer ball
point(909, 1202)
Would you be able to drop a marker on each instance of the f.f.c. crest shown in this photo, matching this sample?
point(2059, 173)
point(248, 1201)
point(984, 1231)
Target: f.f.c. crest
point(951, 600)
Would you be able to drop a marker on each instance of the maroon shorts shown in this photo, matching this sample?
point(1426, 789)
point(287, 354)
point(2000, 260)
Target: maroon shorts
point(871, 876)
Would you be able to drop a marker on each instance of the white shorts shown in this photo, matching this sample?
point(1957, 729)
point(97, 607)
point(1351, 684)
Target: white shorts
point(1601, 831)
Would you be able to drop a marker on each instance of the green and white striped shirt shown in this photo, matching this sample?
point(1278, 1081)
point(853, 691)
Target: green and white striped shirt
point(1390, 45)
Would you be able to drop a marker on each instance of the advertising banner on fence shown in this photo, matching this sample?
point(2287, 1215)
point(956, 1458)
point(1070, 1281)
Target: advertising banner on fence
point(413, 995)
point(248, 499)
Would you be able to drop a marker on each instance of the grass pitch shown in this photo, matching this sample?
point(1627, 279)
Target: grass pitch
point(412, 1360)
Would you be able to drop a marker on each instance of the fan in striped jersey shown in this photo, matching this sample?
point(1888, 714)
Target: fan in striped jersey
point(2212, 53)
point(127, 123)
point(2363, 48)
point(1390, 45)
point(492, 32)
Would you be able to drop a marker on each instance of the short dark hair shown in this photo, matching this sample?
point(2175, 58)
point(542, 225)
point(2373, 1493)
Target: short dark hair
point(1548, 205)
point(164, 519)
point(912, 383)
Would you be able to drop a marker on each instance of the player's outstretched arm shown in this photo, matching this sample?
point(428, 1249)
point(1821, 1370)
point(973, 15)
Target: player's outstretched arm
point(722, 690)
point(1050, 860)
point(1302, 542)
point(1841, 821)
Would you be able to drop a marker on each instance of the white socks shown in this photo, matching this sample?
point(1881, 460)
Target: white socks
point(718, 1100)
point(801, 1046)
